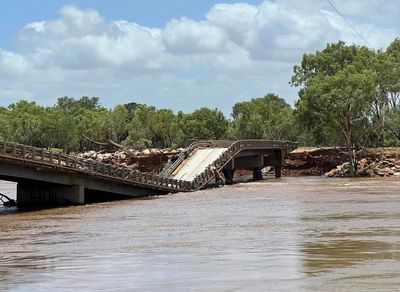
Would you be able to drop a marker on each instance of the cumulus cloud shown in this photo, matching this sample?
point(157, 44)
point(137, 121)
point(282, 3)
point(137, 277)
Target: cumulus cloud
point(12, 64)
point(237, 51)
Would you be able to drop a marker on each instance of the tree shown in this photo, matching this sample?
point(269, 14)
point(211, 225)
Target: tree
point(390, 84)
point(74, 106)
point(58, 130)
point(94, 124)
point(166, 127)
point(25, 122)
point(203, 123)
point(141, 129)
point(118, 120)
point(337, 96)
point(268, 117)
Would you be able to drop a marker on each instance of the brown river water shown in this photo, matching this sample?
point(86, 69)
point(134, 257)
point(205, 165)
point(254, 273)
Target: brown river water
point(289, 234)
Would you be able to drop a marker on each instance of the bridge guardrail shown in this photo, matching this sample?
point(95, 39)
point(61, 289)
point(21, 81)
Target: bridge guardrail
point(182, 156)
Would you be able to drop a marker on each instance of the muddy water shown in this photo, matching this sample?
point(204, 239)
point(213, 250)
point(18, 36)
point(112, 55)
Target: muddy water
point(292, 234)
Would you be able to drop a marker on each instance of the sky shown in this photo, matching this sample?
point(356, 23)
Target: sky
point(178, 54)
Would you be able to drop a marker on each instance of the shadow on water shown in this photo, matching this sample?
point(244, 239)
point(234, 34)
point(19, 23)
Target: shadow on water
point(90, 198)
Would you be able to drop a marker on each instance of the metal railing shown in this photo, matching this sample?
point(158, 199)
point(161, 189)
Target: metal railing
point(169, 169)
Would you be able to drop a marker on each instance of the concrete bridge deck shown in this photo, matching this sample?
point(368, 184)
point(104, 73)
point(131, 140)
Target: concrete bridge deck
point(45, 177)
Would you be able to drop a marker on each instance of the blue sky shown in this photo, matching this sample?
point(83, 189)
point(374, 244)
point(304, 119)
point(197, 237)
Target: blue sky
point(181, 54)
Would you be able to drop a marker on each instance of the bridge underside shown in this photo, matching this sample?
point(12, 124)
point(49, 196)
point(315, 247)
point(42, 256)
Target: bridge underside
point(255, 161)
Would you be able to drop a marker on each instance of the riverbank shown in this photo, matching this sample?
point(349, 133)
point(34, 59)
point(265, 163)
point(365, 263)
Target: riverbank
point(332, 162)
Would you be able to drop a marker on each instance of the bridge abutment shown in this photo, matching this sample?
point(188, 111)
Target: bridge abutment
point(49, 194)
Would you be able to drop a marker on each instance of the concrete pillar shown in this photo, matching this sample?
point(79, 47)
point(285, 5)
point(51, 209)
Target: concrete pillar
point(228, 174)
point(257, 173)
point(278, 171)
point(49, 194)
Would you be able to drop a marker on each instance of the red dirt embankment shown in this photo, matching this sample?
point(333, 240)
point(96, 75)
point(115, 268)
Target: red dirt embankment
point(148, 160)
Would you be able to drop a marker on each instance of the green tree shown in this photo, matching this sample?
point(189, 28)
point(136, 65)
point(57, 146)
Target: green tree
point(75, 106)
point(25, 122)
point(268, 117)
point(118, 123)
point(203, 123)
point(94, 124)
point(142, 127)
point(390, 84)
point(337, 94)
point(166, 127)
point(59, 130)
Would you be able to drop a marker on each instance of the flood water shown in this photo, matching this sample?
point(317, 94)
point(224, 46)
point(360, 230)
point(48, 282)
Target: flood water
point(289, 234)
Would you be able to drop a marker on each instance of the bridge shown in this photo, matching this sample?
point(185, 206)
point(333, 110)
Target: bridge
point(46, 178)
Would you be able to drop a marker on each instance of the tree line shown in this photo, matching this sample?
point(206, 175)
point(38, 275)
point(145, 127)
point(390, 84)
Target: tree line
point(349, 96)
point(73, 124)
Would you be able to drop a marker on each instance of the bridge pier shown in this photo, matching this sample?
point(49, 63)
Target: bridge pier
point(29, 193)
point(278, 171)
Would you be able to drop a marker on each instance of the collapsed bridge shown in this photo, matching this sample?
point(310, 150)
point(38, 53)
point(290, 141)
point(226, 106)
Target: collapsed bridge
point(46, 178)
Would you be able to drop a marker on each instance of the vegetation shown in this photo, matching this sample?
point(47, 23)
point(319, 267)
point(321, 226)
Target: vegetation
point(348, 96)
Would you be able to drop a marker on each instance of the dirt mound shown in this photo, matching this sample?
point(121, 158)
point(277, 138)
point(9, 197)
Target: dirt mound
point(313, 161)
point(147, 160)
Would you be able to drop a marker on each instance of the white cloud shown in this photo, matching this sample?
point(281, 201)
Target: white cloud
point(12, 64)
point(237, 51)
point(186, 36)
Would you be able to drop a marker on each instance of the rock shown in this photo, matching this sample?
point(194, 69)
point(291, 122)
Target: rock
point(145, 152)
point(363, 163)
point(331, 173)
point(388, 171)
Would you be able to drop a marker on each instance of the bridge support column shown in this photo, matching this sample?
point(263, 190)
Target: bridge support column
point(228, 174)
point(278, 171)
point(257, 173)
point(49, 194)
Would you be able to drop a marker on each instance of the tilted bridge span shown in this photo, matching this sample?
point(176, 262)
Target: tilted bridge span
point(46, 178)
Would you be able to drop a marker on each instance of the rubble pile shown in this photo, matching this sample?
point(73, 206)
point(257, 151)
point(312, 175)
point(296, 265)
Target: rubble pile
point(147, 160)
point(307, 161)
point(369, 166)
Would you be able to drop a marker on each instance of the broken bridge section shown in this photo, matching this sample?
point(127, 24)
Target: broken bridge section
point(47, 178)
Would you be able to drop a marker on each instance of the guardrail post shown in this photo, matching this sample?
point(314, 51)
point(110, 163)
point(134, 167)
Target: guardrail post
point(51, 157)
point(14, 150)
point(23, 152)
point(59, 158)
point(42, 155)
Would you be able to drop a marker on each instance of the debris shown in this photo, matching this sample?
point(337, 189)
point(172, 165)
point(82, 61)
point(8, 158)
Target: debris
point(372, 164)
point(147, 160)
